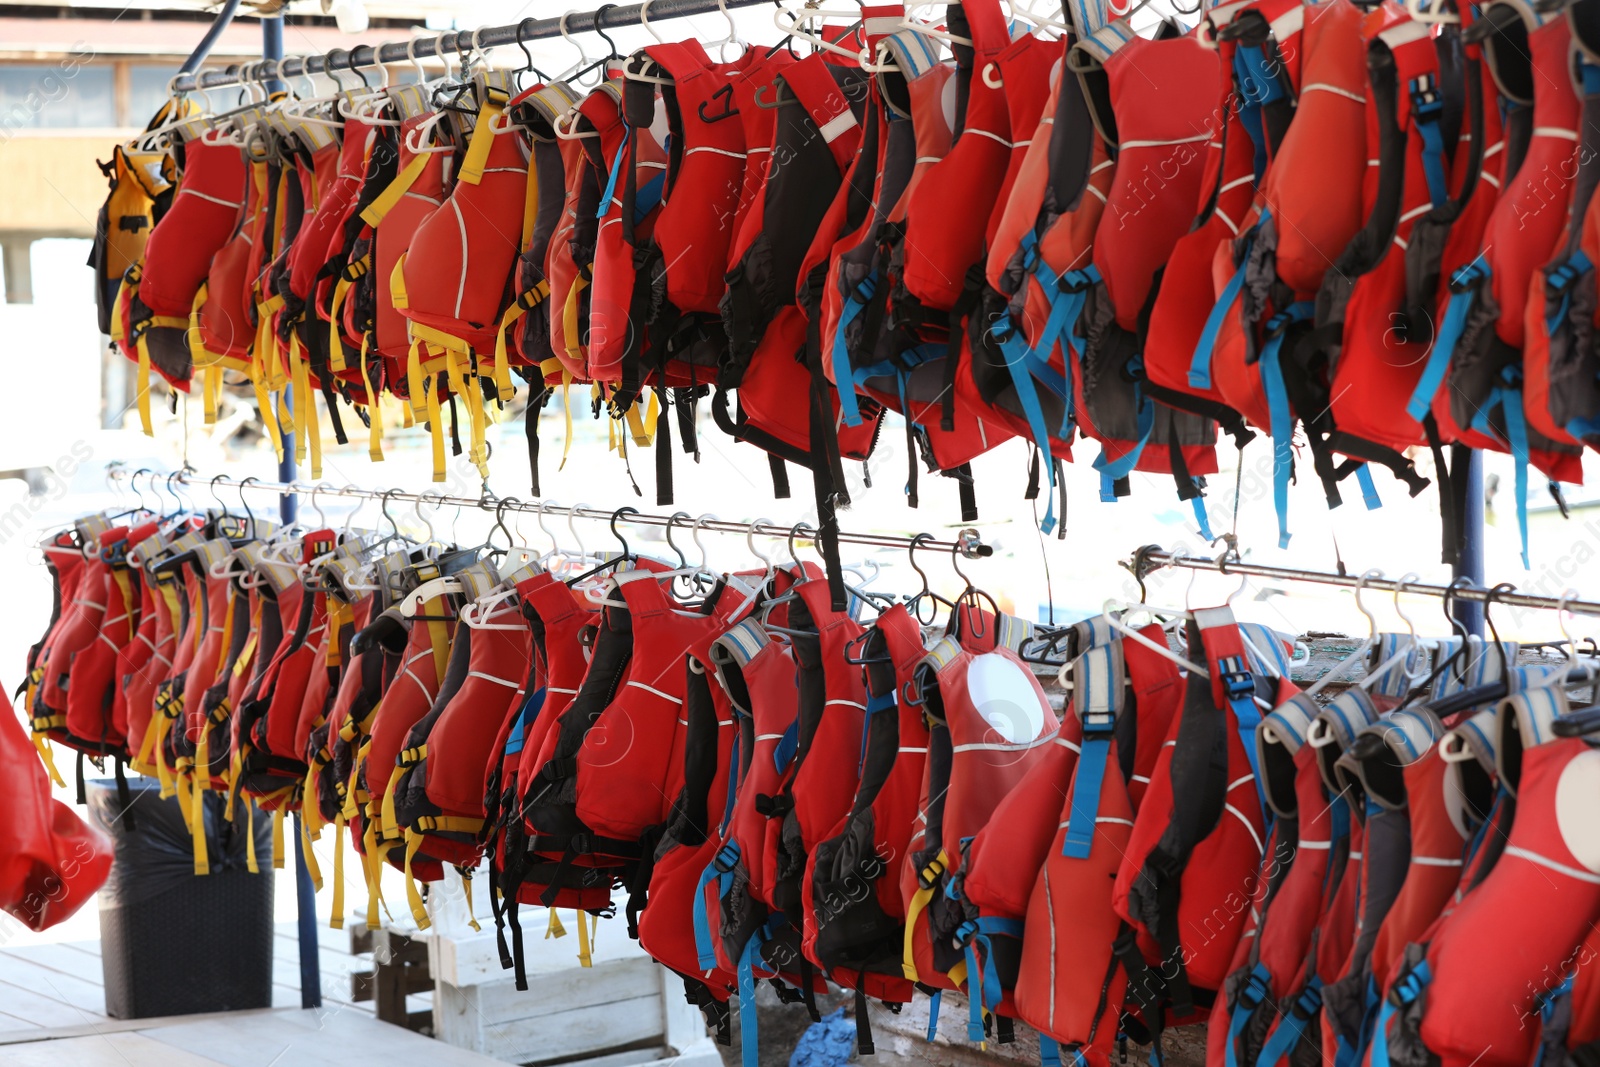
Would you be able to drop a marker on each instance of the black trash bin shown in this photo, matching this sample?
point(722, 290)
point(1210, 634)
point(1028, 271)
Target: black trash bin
point(173, 942)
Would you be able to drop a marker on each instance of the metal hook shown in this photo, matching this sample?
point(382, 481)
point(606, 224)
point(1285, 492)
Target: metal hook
point(1372, 620)
point(615, 515)
point(699, 524)
point(383, 506)
point(955, 561)
point(911, 554)
point(322, 519)
point(500, 524)
point(249, 515)
point(672, 521)
point(794, 556)
point(527, 54)
point(214, 496)
point(1500, 649)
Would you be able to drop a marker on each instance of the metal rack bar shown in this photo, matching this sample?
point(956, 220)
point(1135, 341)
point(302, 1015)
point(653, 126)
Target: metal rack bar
point(1154, 557)
point(968, 541)
point(452, 42)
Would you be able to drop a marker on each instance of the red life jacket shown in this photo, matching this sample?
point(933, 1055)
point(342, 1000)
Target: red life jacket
point(771, 308)
point(1569, 1014)
point(166, 592)
point(1482, 367)
point(569, 262)
point(888, 326)
point(329, 756)
point(133, 657)
point(458, 263)
point(1442, 1004)
point(90, 724)
point(440, 793)
point(851, 889)
point(1411, 878)
point(690, 841)
point(1048, 891)
point(64, 561)
point(204, 213)
point(989, 723)
point(415, 192)
point(1197, 840)
point(420, 672)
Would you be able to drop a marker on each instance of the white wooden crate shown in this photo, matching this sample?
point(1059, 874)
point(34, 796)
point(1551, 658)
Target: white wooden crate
point(624, 1009)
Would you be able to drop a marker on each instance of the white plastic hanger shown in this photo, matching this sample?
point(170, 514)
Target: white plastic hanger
point(1366, 646)
point(428, 590)
point(1111, 606)
point(790, 22)
point(910, 22)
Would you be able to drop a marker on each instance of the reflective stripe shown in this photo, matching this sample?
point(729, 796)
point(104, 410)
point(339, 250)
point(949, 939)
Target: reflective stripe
point(657, 692)
point(1552, 865)
point(1336, 90)
point(491, 678)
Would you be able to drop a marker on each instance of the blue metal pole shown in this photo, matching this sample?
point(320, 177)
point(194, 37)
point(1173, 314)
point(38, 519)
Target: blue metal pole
point(1467, 463)
point(305, 893)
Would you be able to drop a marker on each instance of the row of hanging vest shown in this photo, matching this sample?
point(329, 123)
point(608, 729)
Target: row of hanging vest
point(794, 794)
point(1314, 215)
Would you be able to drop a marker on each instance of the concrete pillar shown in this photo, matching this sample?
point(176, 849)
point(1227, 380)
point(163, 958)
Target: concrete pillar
point(18, 268)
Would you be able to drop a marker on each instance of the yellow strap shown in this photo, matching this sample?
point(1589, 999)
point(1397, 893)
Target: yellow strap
point(546, 368)
point(439, 635)
point(416, 401)
point(643, 425)
point(466, 887)
point(335, 336)
point(301, 386)
point(476, 452)
point(277, 839)
point(250, 837)
point(374, 410)
point(373, 864)
point(413, 895)
point(586, 939)
point(554, 927)
point(128, 281)
point(258, 377)
point(197, 801)
point(42, 743)
point(569, 319)
point(312, 867)
point(478, 147)
point(236, 765)
point(374, 214)
point(336, 919)
point(397, 283)
point(919, 902)
point(436, 429)
point(143, 386)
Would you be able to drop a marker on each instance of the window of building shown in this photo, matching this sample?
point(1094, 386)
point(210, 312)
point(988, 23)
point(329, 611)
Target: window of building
point(56, 96)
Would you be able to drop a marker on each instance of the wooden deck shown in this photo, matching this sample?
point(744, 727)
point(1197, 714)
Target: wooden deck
point(52, 1012)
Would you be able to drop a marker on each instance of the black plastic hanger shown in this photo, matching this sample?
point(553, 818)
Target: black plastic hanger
point(626, 555)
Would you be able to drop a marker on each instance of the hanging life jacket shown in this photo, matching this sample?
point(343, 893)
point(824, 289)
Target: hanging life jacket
point(1443, 1008)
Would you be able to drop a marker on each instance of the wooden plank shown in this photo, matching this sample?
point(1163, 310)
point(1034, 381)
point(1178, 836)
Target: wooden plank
point(336, 1037)
point(43, 1008)
point(580, 987)
point(585, 1031)
point(475, 959)
point(103, 1050)
point(112, 1026)
point(62, 958)
point(13, 1022)
point(86, 996)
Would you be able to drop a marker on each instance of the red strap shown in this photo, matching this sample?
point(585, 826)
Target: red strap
point(825, 102)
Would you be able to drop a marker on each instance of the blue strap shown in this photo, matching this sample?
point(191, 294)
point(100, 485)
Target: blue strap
point(530, 711)
point(733, 791)
point(1369, 491)
point(647, 196)
point(843, 376)
point(1198, 503)
point(1114, 469)
point(1086, 785)
point(1258, 85)
point(1205, 348)
point(1426, 108)
point(616, 169)
point(1405, 991)
point(1278, 411)
point(1547, 1011)
point(1292, 1028)
point(749, 1036)
point(1239, 685)
point(933, 1014)
point(1068, 293)
point(1464, 292)
point(1508, 398)
point(787, 746)
point(1017, 354)
point(1561, 278)
point(983, 982)
point(1049, 1052)
point(1346, 1054)
point(1255, 990)
point(719, 870)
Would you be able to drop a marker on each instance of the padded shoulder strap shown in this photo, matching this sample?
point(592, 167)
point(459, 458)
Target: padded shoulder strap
point(1523, 722)
point(827, 106)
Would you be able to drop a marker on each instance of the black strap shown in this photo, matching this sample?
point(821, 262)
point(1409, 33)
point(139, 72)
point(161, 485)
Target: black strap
point(124, 797)
point(455, 423)
point(530, 419)
point(966, 303)
point(864, 1044)
point(1005, 1030)
point(83, 796)
point(808, 987)
point(663, 448)
point(1032, 492)
point(1061, 491)
point(780, 476)
point(913, 497)
point(1448, 517)
point(967, 491)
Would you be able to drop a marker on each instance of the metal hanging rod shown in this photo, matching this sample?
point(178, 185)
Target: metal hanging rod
point(1153, 557)
point(608, 17)
point(968, 542)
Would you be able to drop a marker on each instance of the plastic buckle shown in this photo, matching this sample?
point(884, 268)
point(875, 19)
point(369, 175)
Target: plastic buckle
point(1255, 991)
point(1074, 281)
point(1098, 722)
point(726, 858)
point(1238, 684)
point(1467, 277)
point(929, 876)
